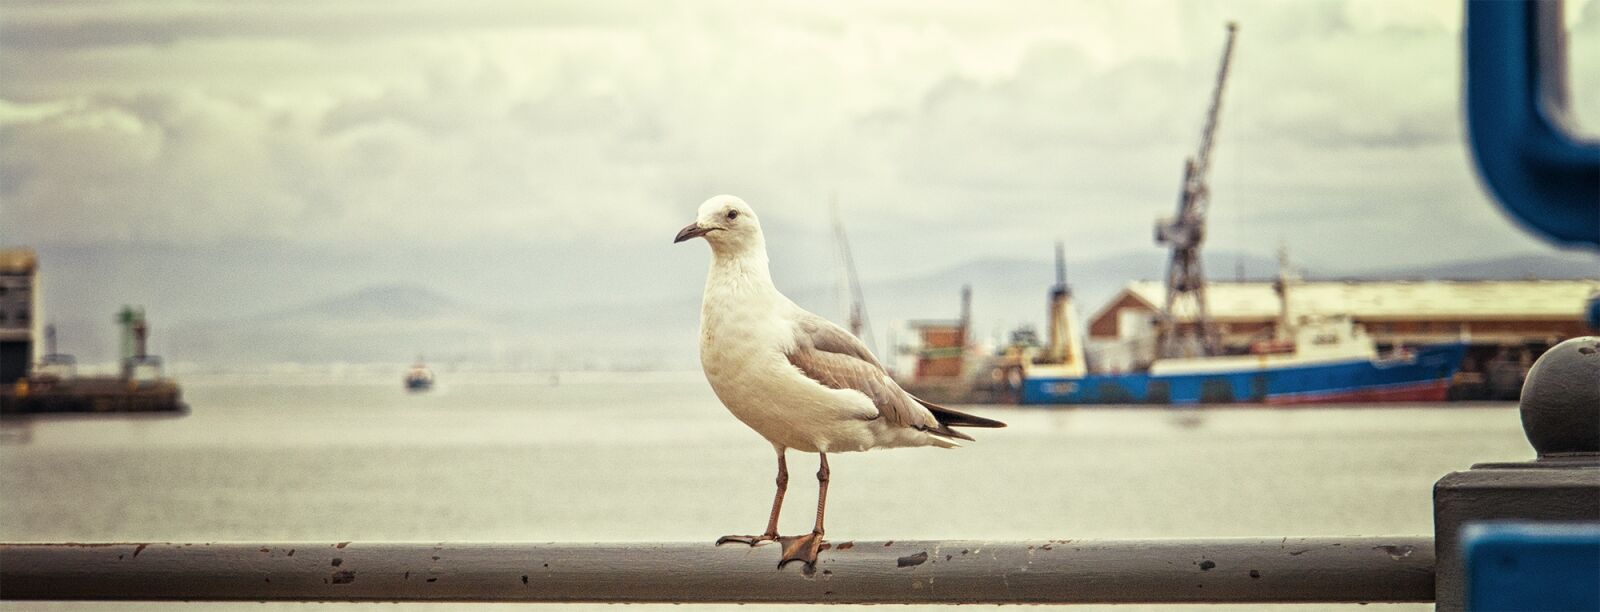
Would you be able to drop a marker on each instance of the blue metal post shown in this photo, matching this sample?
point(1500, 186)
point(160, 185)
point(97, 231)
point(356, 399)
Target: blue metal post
point(1536, 567)
point(1543, 175)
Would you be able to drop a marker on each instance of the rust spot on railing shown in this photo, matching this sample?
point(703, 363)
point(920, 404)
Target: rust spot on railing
point(912, 560)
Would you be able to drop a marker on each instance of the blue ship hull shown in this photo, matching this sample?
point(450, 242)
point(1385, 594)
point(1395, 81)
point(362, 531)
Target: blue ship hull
point(1423, 375)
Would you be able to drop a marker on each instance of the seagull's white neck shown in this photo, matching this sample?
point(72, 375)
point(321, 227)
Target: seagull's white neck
point(740, 268)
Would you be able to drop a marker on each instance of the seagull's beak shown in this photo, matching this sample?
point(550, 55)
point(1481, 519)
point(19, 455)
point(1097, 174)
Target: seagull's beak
point(693, 230)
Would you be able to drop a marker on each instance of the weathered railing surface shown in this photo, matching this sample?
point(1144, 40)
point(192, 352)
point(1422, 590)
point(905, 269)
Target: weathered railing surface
point(1241, 570)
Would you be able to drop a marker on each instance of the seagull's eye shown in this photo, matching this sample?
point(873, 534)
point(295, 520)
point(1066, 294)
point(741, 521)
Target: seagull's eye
point(733, 214)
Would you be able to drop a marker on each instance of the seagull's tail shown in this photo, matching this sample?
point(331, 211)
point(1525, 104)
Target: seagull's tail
point(954, 418)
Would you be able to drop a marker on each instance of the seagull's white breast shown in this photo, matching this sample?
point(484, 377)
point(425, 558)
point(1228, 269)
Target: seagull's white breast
point(746, 328)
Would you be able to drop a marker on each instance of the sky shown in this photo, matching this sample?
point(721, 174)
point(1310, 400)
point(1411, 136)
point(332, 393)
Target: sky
point(526, 151)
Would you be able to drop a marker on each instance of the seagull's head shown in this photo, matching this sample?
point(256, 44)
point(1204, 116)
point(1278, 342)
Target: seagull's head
point(727, 223)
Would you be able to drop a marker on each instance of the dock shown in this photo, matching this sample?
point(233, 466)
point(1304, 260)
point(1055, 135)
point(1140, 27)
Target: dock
point(91, 395)
point(35, 383)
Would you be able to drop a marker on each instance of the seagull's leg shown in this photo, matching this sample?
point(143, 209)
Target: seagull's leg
point(777, 504)
point(805, 548)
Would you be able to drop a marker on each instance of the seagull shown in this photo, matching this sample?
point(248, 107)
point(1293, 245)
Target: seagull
point(797, 379)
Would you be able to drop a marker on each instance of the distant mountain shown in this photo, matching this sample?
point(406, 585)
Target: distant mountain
point(398, 323)
point(1554, 266)
point(384, 323)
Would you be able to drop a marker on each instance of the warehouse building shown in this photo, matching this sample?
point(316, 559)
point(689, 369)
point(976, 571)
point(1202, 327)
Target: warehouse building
point(1506, 323)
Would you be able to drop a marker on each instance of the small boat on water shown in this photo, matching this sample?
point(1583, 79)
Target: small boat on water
point(419, 378)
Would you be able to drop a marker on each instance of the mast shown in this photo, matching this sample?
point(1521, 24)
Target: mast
point(1063, 353)
point(1186, 284)
point(856, 311)
point(966, 315)
point(1061, 266)
point(1059, 334)
point(1286, 279)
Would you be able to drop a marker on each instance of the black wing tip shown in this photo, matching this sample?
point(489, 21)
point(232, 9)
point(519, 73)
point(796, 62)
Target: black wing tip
point(976, 422)
point(987, 423)
point(956, 418)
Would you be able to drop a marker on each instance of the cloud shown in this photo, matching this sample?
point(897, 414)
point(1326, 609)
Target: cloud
point(950, 130)
point(57, 26)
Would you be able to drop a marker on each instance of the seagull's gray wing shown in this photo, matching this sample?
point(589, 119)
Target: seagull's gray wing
point(828, 354)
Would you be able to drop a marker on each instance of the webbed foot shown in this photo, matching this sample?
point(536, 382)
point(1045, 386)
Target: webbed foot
point(802, 548)
point(751, 540)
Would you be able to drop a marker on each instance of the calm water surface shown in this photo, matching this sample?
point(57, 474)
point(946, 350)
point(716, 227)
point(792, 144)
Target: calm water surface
point(655, 457)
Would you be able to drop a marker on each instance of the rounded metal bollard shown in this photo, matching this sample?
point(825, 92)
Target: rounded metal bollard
point(1561, 399)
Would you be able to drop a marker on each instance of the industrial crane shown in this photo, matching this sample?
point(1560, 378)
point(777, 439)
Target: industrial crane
point(849, 284)
point(1186, 282)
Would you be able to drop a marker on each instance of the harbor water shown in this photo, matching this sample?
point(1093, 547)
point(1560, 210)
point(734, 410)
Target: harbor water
point(654, 457)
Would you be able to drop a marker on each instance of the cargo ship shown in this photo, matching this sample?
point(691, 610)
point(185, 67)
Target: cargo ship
point(1307, 358)
point(1327, 361)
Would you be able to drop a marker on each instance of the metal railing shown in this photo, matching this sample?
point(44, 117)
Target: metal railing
point(1236, 570)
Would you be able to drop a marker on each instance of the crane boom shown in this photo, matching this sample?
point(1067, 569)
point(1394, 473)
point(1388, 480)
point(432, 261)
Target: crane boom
point(1203, 160)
